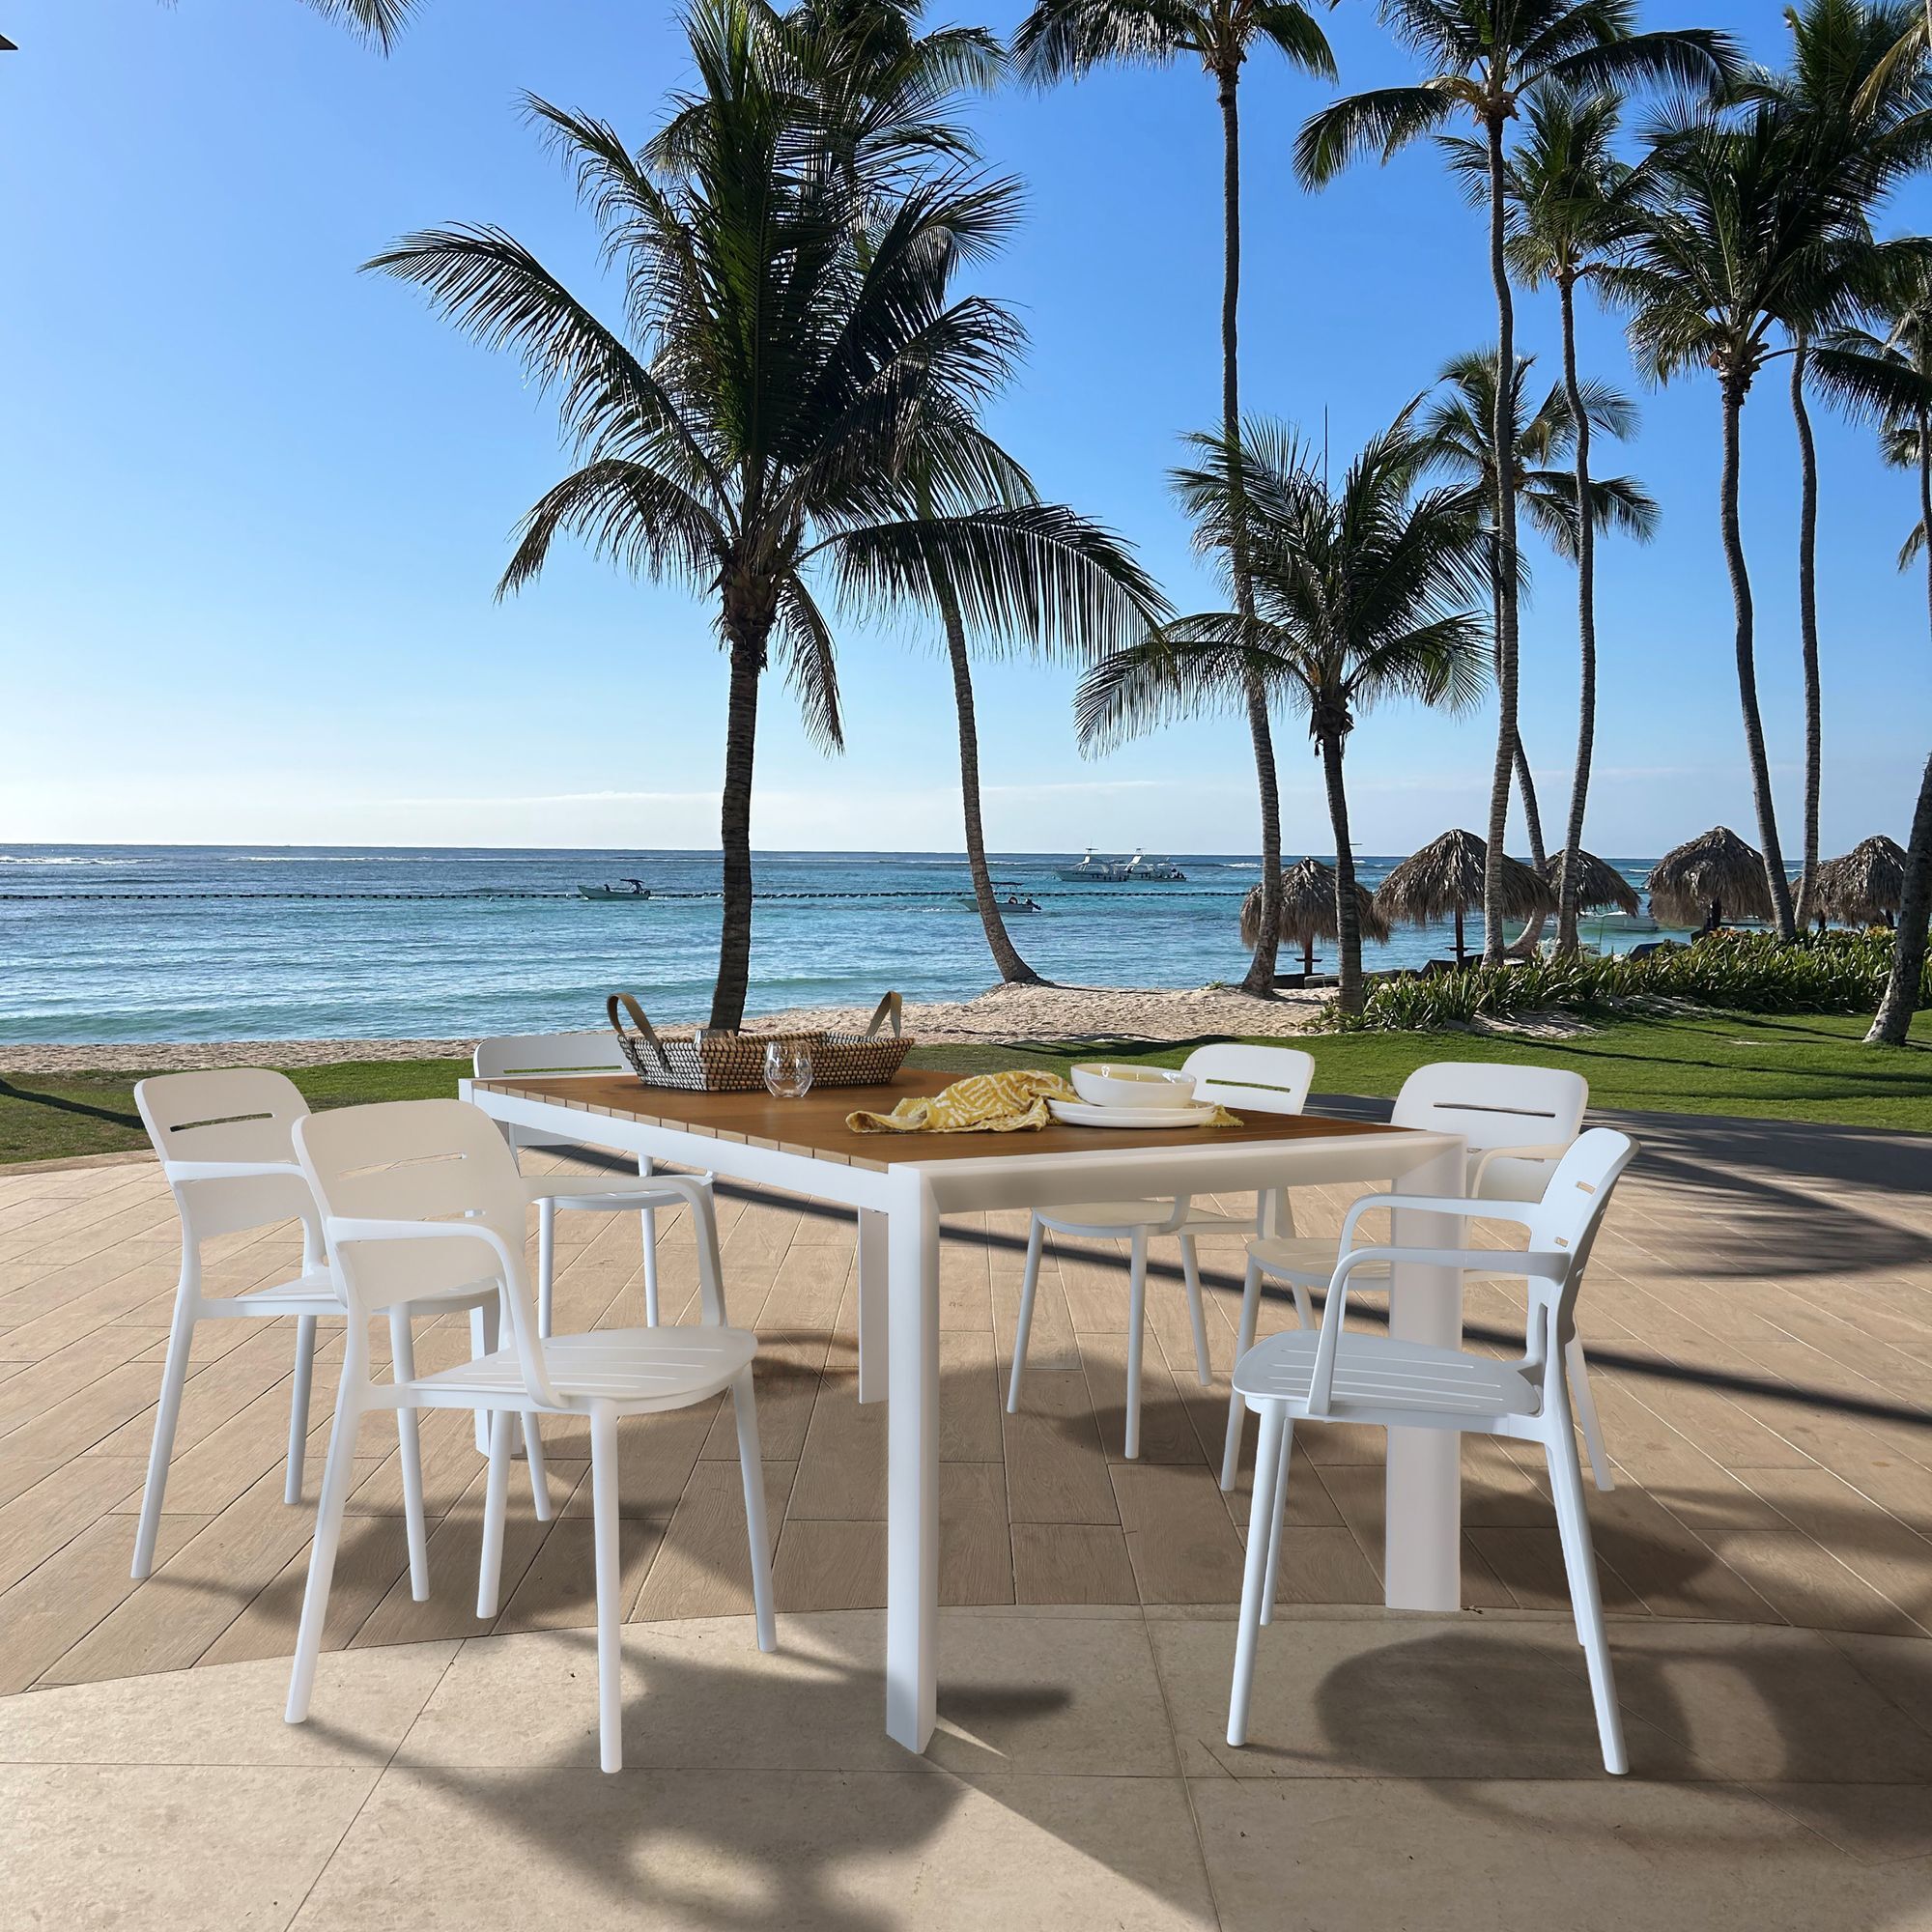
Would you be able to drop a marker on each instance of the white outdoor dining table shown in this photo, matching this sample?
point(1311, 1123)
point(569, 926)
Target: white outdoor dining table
point(902, 1185)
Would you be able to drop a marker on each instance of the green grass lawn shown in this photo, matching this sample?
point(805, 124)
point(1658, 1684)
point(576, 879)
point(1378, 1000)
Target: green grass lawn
point(1793, 1068)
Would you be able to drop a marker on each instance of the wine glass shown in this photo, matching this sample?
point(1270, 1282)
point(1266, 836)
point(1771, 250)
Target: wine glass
point(787, 1069)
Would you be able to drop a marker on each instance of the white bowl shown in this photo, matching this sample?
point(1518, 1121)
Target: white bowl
point(1106, 1083)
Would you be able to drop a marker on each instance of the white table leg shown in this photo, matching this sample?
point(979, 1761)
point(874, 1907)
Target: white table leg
point(1422, 1563)
point(912, 1468)
point(875, 1304)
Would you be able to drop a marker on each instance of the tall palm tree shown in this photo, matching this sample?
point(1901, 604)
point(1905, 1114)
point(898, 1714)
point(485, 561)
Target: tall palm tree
point(1861, 117)
point(1892, 1021)
point(1066, 38)
point(1460, 426)
point(1361, 595)
point(1485, 55)
point(752, 429)
point(1570, 210)
point(1738, 236)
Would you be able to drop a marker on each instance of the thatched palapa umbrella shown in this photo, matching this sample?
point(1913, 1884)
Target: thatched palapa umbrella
point(1446, 877)
point(1308, 911)
point(1699, 881)
point(1864, 886)
point(1598, 883)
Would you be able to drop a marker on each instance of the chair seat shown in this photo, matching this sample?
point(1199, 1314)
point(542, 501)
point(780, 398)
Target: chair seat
point(571, 1191)
point(1310, 1258)
point(312, 1293)
point(659, 1366)
point(1376, 1371)
point(1123, 1216)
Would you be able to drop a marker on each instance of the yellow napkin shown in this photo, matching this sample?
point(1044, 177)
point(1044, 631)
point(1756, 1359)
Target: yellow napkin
point(986, 1103)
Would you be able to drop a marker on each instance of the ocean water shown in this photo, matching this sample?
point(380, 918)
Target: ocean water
point(202, 943)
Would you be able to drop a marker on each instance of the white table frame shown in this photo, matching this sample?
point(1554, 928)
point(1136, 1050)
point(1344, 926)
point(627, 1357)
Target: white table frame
point(899, 1207)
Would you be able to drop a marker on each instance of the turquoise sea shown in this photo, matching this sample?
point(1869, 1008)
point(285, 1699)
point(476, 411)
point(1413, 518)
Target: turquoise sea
point(196, 943)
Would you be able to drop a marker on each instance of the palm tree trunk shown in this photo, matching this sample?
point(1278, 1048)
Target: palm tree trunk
point(1014, 970)
point(1741, 597)
point(1926, 486)
point(1260, 979)
point(1908, 947)
point(1526, 782)
point(741, 735)
point(1347, 922)
point(1586, 632)
point(1494, 941)
point(1808, 623)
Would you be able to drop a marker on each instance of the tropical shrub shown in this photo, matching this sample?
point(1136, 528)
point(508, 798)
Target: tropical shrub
point(1734, 972)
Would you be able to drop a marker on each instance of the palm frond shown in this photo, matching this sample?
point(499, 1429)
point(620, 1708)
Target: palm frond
point(1380, 122)
point(377, 20)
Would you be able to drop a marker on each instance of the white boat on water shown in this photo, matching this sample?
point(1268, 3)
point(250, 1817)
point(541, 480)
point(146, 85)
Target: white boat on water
point(624, 889)
point(1137, 871)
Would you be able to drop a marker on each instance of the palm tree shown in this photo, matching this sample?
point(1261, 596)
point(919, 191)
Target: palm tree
point(1462, 427)
point(1892, 1021)
point(1861, 116)
point(1360, 595)
point(377, 21)
point(1486, 56)
point(752, 431)
point(1738, 238)
point(1570, 210)
point(1066, 38)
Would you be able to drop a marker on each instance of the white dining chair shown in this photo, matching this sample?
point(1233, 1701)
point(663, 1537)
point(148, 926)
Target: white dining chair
point(591, 1052)
point(1256, 1079)
point(1517, 1123)
point(418, 1195)
point(225, 1140)
point(1328, 1373)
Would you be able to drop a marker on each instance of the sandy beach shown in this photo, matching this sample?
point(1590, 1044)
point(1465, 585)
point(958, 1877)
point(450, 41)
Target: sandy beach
point(1035, 1014)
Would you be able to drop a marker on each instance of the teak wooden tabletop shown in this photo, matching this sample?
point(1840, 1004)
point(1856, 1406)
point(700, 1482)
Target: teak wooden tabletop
point(815, 1125)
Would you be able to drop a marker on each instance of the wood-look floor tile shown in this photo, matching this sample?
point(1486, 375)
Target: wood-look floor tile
point(830, 1566)
point(1179, 1538)
point(703, 1566)
point(976, 1555)
point(1072, 1563)
point(1056, 1471)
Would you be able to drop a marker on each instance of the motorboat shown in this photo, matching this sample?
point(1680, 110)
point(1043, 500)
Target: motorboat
point(1137, 871)
point(624, 889)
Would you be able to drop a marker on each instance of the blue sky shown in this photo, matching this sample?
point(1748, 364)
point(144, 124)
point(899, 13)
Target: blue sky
point(254, 504)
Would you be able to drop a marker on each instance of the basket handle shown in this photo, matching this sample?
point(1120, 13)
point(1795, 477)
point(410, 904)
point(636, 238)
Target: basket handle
point(637, 1013)
point(889, 1009)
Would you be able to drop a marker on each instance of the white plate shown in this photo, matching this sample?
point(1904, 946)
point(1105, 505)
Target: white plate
point(1078, 1114)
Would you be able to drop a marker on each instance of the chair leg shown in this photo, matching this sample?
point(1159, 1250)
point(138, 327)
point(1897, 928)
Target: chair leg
point(751, 1465)
point(336, 1475)
point(1190, 1270)
point(409, 1438)
point(546, 1264)
point(1281, 1475)
point(1244, 1340)
point(1260, 1512)
point(610, 1612)
point(292, 1486)
point(486, 1325)
point(1566, 1484)
point(533, 1449)
point(1583, 1400)
point(496, 1498)
point(1136, 1335)
point(649, 1218)
point(1029, 1288)
point(167, 1413)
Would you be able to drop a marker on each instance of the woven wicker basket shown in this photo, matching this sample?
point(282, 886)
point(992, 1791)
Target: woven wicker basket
point(703, 1060)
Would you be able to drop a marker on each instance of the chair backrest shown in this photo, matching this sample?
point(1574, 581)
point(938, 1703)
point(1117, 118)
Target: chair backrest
point(422, 1161)
point(1496, 1106)
point(1262, 1079)
point(595, 1051)
point(230, 1113)
point(1566, 1221)
point(527, 1053)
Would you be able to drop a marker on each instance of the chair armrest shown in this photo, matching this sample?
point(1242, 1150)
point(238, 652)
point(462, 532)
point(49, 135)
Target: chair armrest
point(1458, 1205)
point(1546, 1265)
point(1551, 1153)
